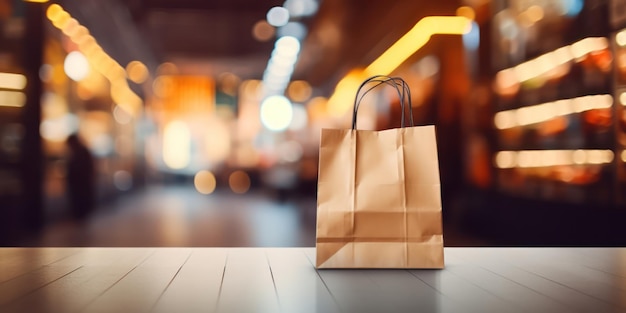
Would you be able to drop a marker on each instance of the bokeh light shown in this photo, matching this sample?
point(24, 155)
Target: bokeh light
point(176, 145)
point(263, 31)
point(205, 182)
point(123, 180)
point(278, 16)
point(276, 113)
point(76, 66)
point(137, 72)
point(239, 182)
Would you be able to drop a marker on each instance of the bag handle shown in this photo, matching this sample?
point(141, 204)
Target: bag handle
point(397, 82)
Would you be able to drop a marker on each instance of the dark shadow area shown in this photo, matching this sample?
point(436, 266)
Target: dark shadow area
point(504, 220)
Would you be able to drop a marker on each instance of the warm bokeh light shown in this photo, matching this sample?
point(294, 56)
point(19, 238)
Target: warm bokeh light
point(276, 113)
point(467, 12)
point(167, 68)
point(263, 31)
point(316, 108)
point(137, 72)
point(299, 91)
point(95, 58)
point(14, 99)
point(121, 116)
point(218, 139)
point(229, 83)
point(239, 182)
point(300, 118)
point(205, 182)
point(531, 15)
point(76, 66)
point(414, 39)
point(57, 129)
point(176, 145)
point(546, 64)
point(620, 38)
point(12, 81)
point(546, 111)
point(547, 158)
point(341, 99)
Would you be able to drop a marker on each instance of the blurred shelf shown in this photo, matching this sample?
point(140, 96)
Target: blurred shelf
point(557, 126)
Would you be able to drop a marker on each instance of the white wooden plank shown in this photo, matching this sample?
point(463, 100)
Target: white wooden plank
point(608, 260)
point(248, 284)
point(527, 299)
point(576, 277)
point(298, 284)
point(490, 260)
point(19, 261)
point(468, 295)
point(410, 294)
point(102, 268)
point(26, 283)
point(139, 290)
point(197, 285)
point(398, 290)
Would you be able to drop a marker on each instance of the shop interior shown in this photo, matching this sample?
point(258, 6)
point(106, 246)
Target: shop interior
point(197, 123)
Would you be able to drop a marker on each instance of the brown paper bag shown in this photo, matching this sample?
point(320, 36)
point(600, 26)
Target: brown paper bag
point(379, 199)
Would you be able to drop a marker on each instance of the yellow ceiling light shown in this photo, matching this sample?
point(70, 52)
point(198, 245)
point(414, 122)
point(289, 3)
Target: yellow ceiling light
point(341, 100)
point(416, 38)
point(97, 58)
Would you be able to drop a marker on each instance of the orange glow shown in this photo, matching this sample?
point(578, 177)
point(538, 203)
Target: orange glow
point(466, 12)
point(186, 95)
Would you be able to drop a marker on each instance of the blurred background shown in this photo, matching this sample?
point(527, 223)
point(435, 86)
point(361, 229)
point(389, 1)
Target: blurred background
point(197, 123)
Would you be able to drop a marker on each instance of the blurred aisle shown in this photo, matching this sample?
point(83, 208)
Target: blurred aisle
point(180, 216)
point(177, 215)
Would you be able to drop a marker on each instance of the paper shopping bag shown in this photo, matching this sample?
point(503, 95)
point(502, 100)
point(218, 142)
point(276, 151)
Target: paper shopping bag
point(379, 199)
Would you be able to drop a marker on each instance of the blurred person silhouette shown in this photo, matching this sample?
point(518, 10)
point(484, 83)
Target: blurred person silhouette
point(80, 178)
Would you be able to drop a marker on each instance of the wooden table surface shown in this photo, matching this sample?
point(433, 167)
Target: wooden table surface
point(243, 280)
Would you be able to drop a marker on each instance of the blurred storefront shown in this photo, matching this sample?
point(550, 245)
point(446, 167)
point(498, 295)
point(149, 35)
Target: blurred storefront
point(526, 96)
point(557, 107)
